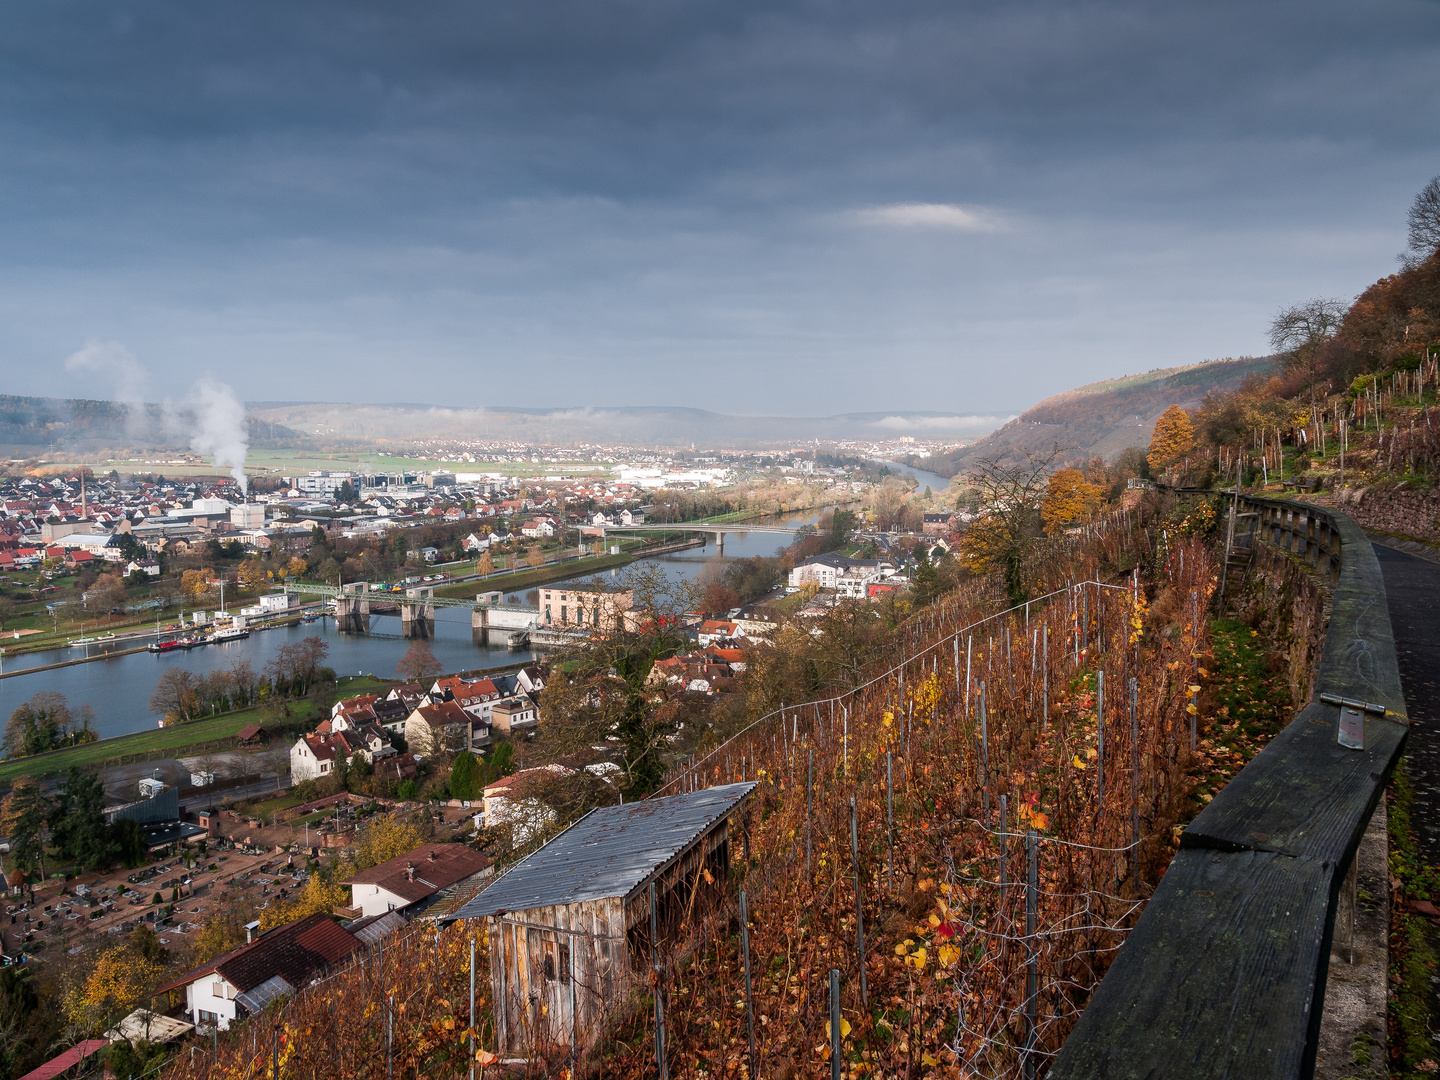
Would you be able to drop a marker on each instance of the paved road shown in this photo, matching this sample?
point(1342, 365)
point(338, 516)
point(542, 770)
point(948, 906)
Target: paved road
point(1412, 586)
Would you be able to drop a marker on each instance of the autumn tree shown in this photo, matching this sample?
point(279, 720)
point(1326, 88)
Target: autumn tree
point(1069, 497)
point(1010, 490)
point(418, 662)
point(253, 574)
point(1172, 439)
point(534, 556)
point(194, 583)
point(297, 666)
point(176, 696)
point(107, 592)
point(385, 837)
point(485, 565)
point(121, 978)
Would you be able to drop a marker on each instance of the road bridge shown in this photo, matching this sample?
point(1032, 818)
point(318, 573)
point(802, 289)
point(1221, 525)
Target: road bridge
point(719, 531)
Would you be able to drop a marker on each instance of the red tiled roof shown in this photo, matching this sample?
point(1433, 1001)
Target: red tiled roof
point(424, 871)
point(294, 951)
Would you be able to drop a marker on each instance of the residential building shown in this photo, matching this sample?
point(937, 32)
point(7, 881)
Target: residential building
point(941, 523)
point(515, 715)
point(243, 981)
point(715, 630)
point(443, 727)
point(312, 757)
point(417, 879)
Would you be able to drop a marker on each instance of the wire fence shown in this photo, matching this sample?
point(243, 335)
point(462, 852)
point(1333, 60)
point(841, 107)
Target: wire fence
point(936, 867)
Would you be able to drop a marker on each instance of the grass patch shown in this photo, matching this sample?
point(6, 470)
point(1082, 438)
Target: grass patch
point(1246, 702)
point(1412, 950)
point(273, 806)
point(173, 741)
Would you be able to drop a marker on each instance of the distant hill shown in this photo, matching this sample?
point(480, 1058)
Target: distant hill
point(30, 425)
point(37, 424)
point(1103, 418)
point(654, 426)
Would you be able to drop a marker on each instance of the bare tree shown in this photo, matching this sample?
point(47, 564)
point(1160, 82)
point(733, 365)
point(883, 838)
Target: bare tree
point(176, 695)
point(418, 661)
point(1424, 220)
point(277, 761)
point(1299, 333)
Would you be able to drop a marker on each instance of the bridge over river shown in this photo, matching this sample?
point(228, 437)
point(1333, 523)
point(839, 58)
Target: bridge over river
point(717, 530)
point(490, 617)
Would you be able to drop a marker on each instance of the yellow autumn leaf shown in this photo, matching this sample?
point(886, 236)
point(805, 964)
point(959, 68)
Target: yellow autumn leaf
point(1194, 689)
point(919, 958)
point(948, 955)
point(844, 1028)
point(1203, 673)
point(899, 950)
point(1077, 762)
point(1191, 709)
point(934, 920)
point(926, 1059)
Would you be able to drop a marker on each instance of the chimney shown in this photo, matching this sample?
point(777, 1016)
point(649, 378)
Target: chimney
point(250, 928)
point(410, 871)
point(431, 856)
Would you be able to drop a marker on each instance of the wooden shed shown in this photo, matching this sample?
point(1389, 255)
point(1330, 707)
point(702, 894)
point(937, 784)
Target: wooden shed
point(569, 925)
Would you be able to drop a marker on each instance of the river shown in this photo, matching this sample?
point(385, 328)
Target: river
point(119, 689)
point(934, 481)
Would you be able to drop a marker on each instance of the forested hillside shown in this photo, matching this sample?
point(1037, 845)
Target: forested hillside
point(1104, 418)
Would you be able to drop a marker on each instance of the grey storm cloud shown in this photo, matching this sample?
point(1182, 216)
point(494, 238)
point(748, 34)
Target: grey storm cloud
point(796, 207)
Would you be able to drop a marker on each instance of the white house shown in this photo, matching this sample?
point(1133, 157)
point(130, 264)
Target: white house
point(243, 981)
point(415, 879)
point(311, 758)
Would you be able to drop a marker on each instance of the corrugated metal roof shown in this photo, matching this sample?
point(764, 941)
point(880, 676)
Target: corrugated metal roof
point(272, 989)
point(375, 927)
point(608, 853)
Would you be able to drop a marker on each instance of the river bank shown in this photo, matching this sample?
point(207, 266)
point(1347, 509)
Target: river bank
point(118, 687)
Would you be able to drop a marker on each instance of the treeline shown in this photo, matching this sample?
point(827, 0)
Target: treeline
point(296, 671)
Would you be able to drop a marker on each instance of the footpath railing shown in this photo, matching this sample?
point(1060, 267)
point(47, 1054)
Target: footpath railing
point(1225, 972)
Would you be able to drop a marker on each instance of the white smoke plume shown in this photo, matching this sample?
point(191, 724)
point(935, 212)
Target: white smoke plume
point(112, 361)
point(218, 428)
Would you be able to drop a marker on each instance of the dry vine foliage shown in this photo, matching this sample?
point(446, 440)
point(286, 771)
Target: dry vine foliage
point(994, 878)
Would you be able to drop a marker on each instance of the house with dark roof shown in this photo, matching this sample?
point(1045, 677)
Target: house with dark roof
point(411, 882)
point(243, 981)
point(569, 925)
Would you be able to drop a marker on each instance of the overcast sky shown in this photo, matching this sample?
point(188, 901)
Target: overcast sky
point(796, 208)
